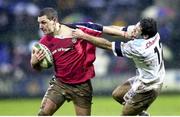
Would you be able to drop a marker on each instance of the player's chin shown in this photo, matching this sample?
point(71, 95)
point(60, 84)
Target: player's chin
point(46, 33)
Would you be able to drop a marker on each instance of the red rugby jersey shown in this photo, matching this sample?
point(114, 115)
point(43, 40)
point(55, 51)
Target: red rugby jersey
point(73, 58)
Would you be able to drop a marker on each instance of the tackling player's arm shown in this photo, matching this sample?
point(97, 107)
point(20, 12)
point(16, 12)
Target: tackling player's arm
point(99, 42)
point(125, 32)
point(36, 57)
point(114, 30)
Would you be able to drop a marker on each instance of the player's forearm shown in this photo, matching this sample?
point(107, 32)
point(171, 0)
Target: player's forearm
point(114, 30)
point(99, 42)
point(116, 27)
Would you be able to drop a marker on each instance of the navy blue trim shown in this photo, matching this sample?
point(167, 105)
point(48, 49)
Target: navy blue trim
point(71, 26)
point(125, 28)
point(118, 48)
point(94, 26)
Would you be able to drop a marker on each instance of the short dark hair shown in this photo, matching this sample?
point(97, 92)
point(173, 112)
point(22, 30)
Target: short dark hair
point(149, 27)
point(49, 12)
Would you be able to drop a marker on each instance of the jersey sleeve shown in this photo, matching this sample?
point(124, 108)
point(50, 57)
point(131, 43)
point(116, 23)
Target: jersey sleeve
point(90, 28)
point(44, 40)
point(128, 49)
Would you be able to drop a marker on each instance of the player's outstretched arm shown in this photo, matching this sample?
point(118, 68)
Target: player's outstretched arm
point(97, 41)
point(118, 31)
point(113, 30)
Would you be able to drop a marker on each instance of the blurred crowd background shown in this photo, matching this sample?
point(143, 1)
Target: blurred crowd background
point(19, 30)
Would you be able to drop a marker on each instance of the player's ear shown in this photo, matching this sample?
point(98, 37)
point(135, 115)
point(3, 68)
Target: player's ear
point(55, 19)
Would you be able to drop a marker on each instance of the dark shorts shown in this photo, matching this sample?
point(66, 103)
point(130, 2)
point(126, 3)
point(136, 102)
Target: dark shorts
point(80, 94)
point(139, 102)
point(135, 102)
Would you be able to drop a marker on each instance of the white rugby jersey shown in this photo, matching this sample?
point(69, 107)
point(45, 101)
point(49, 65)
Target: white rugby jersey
point(147, 56)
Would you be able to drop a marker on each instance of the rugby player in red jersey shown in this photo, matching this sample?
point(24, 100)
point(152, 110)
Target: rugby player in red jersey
point(73, 63)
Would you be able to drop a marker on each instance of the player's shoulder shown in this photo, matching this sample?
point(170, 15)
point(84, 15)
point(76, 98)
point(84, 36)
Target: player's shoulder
point(45, 38)
point(137, 46)
point(137, 43)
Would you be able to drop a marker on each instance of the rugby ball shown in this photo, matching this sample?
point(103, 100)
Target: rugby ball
point(47, 62)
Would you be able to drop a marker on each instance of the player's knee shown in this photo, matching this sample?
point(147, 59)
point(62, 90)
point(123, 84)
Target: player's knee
point(126, 112)
point(117, 97)
point(114, 94)
point(83, 111)
point(42, 113)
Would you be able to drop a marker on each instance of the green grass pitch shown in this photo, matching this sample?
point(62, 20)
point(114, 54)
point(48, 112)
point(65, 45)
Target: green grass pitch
point(165, 105)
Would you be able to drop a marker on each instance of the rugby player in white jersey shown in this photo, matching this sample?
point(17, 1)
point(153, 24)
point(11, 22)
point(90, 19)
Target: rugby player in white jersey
point(145, 49)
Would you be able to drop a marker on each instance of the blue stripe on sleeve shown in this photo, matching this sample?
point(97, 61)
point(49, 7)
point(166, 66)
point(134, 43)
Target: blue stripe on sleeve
point(118, 48)
point(125, 28)
point(94, 26)
point(71, 26)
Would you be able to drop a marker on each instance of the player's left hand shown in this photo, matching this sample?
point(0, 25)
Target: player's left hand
point(77, 33)
point(136, 32)
point(130, 33)
point(37, 56)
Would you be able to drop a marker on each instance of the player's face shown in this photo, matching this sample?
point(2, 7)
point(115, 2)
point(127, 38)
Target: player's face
point(46, 25)
point(137, 30)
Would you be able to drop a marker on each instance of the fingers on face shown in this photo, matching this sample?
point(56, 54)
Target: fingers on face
point(134, 33)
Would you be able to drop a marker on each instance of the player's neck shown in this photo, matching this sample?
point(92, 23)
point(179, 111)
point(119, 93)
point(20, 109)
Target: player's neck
point(63, 30)
point(57, 30)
